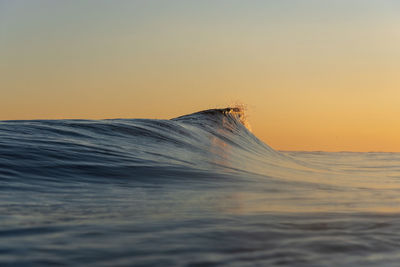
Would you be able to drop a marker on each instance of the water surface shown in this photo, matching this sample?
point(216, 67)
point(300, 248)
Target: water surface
point(198, 190)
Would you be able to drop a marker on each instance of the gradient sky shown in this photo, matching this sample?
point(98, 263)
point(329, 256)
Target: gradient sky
point(315, 75)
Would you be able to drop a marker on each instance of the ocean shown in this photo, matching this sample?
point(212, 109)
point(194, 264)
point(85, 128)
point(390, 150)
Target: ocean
point(197, 190)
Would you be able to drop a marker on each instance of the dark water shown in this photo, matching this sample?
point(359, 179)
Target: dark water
point(199, 190)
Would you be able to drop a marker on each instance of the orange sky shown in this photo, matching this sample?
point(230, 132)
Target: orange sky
point(315, 75)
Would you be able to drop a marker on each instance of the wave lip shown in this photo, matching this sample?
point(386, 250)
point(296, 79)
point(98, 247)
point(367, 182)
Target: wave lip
point(234, 114)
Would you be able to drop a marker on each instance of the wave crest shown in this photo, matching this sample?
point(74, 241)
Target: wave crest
point(230, 116)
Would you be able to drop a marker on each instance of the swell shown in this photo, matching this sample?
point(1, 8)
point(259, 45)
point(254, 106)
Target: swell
point(213, 141)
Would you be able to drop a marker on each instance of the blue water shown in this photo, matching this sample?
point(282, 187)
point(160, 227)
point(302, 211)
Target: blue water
point(198, 190)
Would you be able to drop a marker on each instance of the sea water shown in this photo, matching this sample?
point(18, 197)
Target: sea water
point(198, 190)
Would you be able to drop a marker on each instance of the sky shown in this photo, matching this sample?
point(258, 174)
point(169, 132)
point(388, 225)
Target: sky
point(313, 74)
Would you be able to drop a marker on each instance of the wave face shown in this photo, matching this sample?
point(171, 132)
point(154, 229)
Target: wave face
point(199, 189)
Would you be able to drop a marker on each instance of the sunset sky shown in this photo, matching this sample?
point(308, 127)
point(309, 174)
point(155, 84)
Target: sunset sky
point(315, 75)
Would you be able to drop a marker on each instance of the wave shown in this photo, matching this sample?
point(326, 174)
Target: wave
point(214, 144)
point(209, 140)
